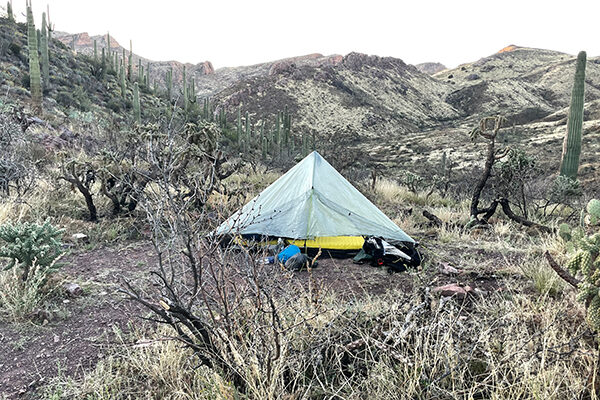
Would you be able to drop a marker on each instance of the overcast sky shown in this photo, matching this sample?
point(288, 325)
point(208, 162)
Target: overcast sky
point(244, 32)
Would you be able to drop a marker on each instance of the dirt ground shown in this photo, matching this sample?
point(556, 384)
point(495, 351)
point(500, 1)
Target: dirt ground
point(74, 334)
point(77, 332)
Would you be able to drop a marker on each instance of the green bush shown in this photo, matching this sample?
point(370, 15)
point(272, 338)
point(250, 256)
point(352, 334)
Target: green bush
point(27, 244)
point(15, 49)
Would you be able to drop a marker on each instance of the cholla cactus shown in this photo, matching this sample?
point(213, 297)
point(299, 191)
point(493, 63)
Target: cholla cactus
point(26, 244)
point(586, 262)
point(412, 181)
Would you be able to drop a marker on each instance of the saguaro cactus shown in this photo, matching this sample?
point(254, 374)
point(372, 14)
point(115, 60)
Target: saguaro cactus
point(130, 64)
point(122, 80)
point(44, 52)
point(572, 144)
point(35, 86)
point(185, 92)
point(108, 50)
point(148, 75)
point(137, 112)
point(9, 11)
point(50, 26)
point(169, 83)
point(239, 126)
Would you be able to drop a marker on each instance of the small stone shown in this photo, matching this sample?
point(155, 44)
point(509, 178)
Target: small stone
point(73, 289)
point(447, 269)
point(80, 238)
point(453, 289)
point(56, 339)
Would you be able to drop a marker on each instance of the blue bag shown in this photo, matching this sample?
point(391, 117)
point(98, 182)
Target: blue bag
point(287, 253)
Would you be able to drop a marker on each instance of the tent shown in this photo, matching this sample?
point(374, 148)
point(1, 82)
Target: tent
point(313, 206)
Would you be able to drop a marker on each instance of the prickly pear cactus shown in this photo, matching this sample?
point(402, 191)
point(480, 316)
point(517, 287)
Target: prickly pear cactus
point(586, 263)
point(593, 209)
point(564, 231)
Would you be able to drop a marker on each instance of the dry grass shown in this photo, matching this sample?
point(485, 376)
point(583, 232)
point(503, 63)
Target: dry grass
point(507, 346)
point(18, 299)
point(145, 367)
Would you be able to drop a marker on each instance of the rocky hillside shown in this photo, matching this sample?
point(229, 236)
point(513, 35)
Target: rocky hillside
point(391, 114)
point(84, 43)
point(374, 112)
point(357, 96)
point(211, 84)
point(78, 88)
point(430, 68)
point(527, 83)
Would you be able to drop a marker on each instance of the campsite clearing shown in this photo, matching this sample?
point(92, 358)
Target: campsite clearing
point(78, 333)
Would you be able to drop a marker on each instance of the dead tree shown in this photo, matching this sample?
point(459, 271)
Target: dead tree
point(488, 128)
point(82, 176)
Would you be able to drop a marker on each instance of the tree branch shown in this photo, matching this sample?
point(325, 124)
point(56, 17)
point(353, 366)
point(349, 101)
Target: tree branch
point(563, 273)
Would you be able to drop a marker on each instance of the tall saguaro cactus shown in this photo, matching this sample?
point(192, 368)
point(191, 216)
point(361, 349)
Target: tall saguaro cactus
point(122, 80)
point(109, 51)
point(170, 83)
point(9, 11)
point(572, 144)
point(35, 86)
point(185, 92)
point(44, 52)
point(137, 112)
point(130, 65)
point(50, 26)
point(147, 79)
point(95, 51)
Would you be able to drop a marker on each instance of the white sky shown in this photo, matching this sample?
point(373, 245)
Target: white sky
point(244, 32)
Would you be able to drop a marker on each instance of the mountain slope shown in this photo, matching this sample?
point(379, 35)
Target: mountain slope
point(530, 83)
point(362, 96)
point(83, 43)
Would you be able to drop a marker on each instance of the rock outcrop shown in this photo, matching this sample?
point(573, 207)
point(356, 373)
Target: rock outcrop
point(430, 68)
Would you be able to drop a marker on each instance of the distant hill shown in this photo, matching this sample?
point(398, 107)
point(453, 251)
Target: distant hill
point(529, 83)
point(430, 68)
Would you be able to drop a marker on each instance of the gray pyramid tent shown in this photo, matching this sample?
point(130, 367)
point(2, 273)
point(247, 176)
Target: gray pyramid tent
point(317, 206)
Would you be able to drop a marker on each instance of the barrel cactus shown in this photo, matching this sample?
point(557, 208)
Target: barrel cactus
point(586, 263)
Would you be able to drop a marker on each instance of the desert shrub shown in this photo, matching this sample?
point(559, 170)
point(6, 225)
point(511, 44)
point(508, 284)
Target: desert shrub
point(27, 244)
point(19, 299)
point(25, 81)
point(564, 189)
point(65, 98)
point(412, 181)
point(512, 177)
point(115, 104)
point(15, 49)
point(17, 165)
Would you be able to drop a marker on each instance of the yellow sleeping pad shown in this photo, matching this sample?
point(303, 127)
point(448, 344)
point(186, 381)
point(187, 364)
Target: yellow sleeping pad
point(331, 242)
